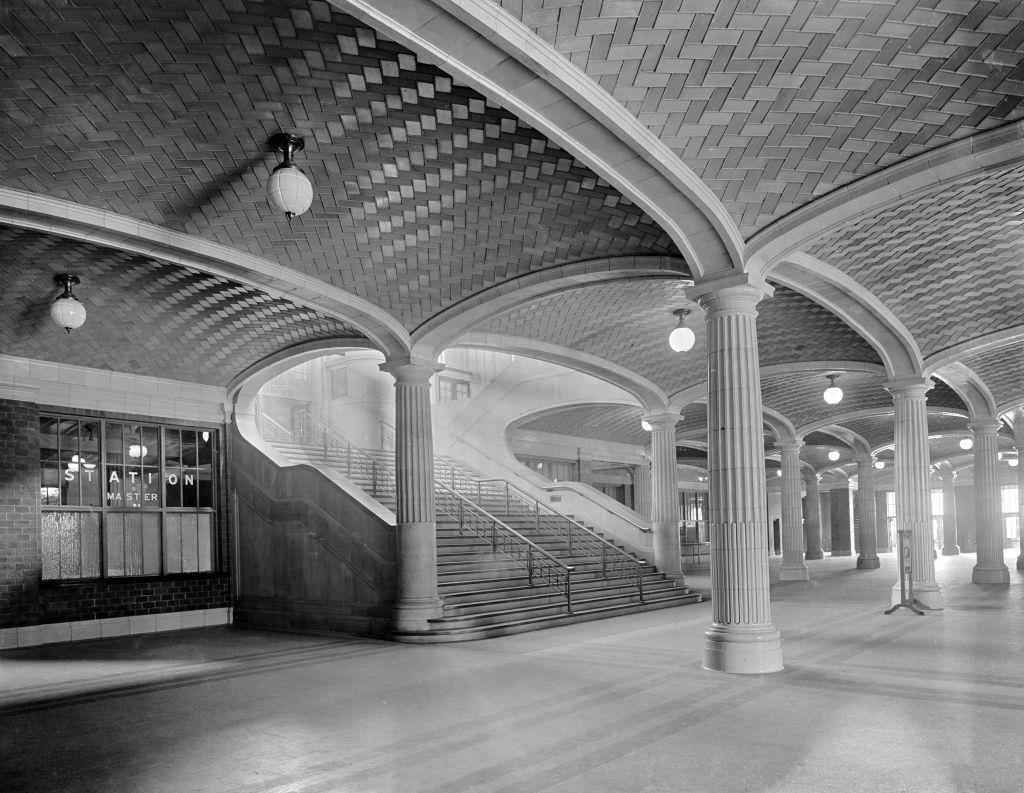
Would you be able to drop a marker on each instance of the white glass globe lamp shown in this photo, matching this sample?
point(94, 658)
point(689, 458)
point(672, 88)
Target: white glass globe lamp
point(682, 338)
point(67, 311)
point(832, 395)
point(289, 189)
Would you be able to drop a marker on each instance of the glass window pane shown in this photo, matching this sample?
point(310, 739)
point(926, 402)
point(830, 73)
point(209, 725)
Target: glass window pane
point(50, 485)
point(151, 487)
point(151, 446)
point(204, 482)
point(205, 523)
point(188, 448)
point(51, 544)
point(172, 448)
point(133, 486)
point(189, 488)
point(90, 533)
point(172, 486)
point(90, 475)
point(133, 544)
point(189, 544)
point(114, 534)
point(115, 485)
point(150, 543)
point(172, 543)
point(113, 443)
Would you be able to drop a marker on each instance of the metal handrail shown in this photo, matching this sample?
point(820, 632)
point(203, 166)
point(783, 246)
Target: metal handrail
point(541, 566)
point(581, 540)
point(341, 453)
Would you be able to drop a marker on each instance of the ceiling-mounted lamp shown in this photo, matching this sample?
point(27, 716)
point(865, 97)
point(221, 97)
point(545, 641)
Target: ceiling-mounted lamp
point(879, 464)
point(966, 444)
point(645, 425)
point(67, 311)
point(681, 338)
point(833, 455)
point(1012, 461)
point(289, 189)
point(833, 395)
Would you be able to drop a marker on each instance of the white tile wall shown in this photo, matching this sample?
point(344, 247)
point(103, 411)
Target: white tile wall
point(50, 633)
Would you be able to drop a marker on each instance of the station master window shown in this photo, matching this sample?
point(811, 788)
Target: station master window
point(126, 498)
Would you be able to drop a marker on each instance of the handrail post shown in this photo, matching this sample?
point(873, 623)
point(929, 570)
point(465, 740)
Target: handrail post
point(508, 500)
point(479, 492)
point(462, 516)
point(529, 564)
point(494, 535)
point(640, 580)
point(537, 520)
point(568, 591)
point(570, 537)
point(604, 561)
point(373, 476)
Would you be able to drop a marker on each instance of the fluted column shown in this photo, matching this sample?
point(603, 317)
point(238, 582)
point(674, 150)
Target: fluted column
point(418, 599)
point(665, 494)
point(990, 567)
point(867, 559)
point(642, 489)
point(1018, 433)
point(913, 489)
point(742, 637)
point(812, 519)
point(949, 546)
point(793, 567)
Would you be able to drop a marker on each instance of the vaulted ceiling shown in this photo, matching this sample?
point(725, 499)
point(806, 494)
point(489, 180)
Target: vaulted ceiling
point(870, 155)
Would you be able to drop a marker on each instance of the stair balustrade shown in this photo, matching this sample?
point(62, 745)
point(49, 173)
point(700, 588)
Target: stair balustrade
point(541, 566)
point(456, 489)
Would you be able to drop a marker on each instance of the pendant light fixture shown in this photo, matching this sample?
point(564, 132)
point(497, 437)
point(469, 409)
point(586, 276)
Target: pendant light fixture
point(833, 455)
point(833, 395)
point(966, 444)
point(682, 338)
point(67, 311)
point(289, 189)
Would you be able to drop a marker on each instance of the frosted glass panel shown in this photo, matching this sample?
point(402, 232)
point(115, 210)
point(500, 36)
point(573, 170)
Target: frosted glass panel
point(205, 542)
point(172, 544)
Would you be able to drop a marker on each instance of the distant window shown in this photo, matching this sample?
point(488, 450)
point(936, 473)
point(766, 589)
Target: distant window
point(126, 498)
point(451, 390)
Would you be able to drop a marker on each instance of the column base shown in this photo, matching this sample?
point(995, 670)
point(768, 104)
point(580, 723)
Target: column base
point(842, 553)
point(743, 650)
point(411, 616)
point(990, 574)
point(812, 555)
point(950, 550)
point(794, 573)
point(868, 563)
point(927, 593)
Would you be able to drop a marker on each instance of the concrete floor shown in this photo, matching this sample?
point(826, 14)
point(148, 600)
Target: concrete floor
point(867, 702)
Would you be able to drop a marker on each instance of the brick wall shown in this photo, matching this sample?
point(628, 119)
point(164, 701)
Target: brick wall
point(25, 599)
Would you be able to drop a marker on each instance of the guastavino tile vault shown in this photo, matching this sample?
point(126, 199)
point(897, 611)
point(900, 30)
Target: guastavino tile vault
point(351, 320)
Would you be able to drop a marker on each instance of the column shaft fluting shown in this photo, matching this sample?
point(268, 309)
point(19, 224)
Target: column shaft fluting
point(812, 519)
point(665, 494)
point(990, 567)
point(742, 637)
point(642, 489)
point(1018, 434)
point(418, 598)
point(793, 567)
point(867, 559)
point(949, 541)
point(913, 488)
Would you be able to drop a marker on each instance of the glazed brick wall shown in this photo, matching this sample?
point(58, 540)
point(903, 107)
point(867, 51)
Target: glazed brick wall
point(20, 516)
point(25, 599)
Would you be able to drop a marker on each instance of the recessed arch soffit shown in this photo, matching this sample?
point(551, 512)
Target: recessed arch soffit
point(146, 316)
point(628, 322)
point(1001, 368)
point(425, 191)
point(755, 100)
point(615, 423)
point(946, 260)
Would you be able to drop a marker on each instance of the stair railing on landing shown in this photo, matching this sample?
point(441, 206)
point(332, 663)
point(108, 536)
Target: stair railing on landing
point(340, 453)
point(541, 567)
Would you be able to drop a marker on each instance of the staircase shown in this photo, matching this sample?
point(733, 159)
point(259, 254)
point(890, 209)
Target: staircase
point(505, 562)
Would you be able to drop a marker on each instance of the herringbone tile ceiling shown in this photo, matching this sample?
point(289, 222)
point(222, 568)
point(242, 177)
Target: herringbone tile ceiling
point(428, 193)
point(775, 103)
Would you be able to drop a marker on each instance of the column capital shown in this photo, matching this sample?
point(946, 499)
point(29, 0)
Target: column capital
point(411, 371)
point(718, 285)
point(986, 426)
point(739, 298)
point(909, 386)
point(661, 420)
point(863, 458)
point(789, 446)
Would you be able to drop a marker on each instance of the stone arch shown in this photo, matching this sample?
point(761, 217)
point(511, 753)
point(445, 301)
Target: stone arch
point(504, 60)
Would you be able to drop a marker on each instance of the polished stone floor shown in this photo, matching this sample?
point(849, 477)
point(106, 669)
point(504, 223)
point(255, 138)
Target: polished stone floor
point(867, 702)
